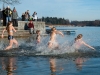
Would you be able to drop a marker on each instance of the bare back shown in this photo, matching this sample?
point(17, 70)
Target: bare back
point(53, 36)
point(10, 30)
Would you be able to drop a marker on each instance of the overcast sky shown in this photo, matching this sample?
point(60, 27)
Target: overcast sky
point(69, 9)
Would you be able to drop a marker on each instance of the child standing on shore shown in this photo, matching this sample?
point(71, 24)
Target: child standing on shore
point(11, 39)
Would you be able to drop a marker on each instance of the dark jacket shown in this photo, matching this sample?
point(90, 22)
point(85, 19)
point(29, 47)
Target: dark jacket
point(8, 12)
point(4, 18)
point(23, 17)
point(1, 15)
point(31, 25)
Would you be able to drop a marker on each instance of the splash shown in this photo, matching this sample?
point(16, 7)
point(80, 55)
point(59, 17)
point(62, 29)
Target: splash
point(29, 47)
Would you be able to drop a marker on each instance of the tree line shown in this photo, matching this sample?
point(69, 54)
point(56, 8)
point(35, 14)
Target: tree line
point(55, 21)
point(62, 21)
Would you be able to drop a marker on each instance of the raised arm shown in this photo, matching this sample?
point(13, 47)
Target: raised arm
point(3, 32)
point(88, 45)
point(59, 32)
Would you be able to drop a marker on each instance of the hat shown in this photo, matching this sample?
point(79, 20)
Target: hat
point(8, 7)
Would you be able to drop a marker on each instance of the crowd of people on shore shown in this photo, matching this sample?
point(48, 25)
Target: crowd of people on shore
point(27, 17)
point(7, 14)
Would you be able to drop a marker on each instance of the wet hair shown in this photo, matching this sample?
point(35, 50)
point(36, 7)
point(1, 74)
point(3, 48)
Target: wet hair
point(37, 31)
point(79, 37)
point(52, 28)
point(37, 34)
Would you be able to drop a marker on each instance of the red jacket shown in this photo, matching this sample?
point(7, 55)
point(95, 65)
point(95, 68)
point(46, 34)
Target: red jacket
point(31, 25)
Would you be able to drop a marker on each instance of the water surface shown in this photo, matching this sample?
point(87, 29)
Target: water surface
point(39, 60)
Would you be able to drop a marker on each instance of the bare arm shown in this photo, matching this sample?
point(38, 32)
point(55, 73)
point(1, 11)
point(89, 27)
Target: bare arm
point(13, 29)
point(3, 32)
point(88, 45)
point(59, 32)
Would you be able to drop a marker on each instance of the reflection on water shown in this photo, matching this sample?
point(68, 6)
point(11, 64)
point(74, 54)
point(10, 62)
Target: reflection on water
point(54, 66)
point(48, 66)
point(39, 60)
point(9, 64)
point(79, 62)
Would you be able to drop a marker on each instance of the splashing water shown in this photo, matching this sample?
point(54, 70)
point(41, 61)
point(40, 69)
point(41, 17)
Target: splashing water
point(29, 47)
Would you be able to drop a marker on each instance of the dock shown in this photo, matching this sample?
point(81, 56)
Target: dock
point(65, 31)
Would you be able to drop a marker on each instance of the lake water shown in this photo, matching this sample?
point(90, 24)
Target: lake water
point(39, 60)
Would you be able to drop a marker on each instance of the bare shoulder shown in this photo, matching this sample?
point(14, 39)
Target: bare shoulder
point(57, 31)
point(82, 42)
point(12, 26)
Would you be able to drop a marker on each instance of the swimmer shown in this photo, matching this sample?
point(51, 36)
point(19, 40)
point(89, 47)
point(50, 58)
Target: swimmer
point(78, 42)
point(38, 37)
point(53, 43)
point(11, 39)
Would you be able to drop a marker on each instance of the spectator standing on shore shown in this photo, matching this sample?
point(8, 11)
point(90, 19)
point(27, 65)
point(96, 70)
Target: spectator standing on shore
point(23, 16)
point(8, 13)
point(26, 16)
point(14, 17)
point(34, 16)
point(31, 27)
point(4, 17)
point(1, 16)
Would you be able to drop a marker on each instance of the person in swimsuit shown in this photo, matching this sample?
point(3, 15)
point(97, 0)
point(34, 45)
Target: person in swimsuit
point(53, 43)
point(78, 42)
point(11, 39)
point(38, 37)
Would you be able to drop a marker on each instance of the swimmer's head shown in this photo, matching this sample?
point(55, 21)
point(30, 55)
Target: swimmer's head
point(79, 36)
point(9, 23)
point(38, 31)
point(53, 28)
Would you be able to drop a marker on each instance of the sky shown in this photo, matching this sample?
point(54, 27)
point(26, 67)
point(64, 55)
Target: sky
point(80, 10)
